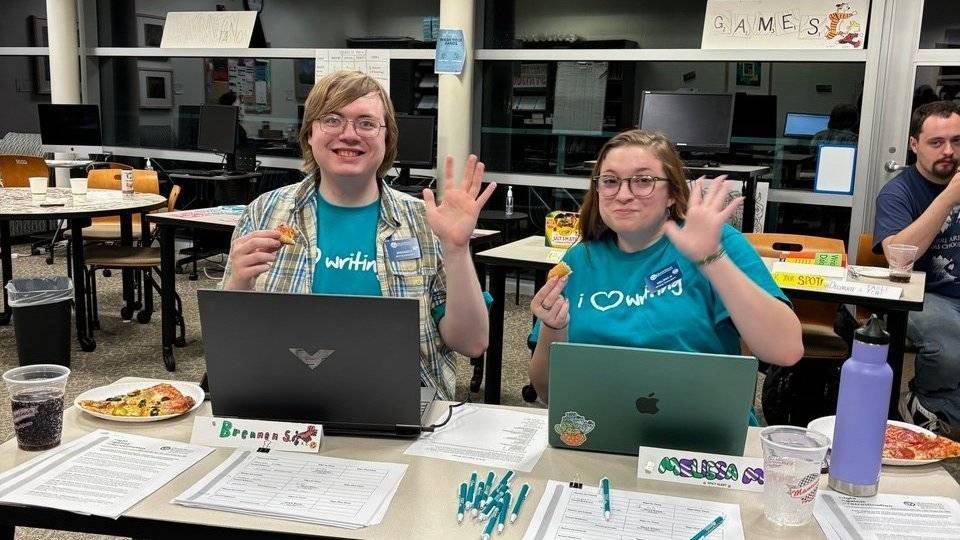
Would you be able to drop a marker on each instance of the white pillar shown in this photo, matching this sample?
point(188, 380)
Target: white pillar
point(455, 107)
point(64, 63)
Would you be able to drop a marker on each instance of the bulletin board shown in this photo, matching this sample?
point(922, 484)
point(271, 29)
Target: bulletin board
point(248, 78)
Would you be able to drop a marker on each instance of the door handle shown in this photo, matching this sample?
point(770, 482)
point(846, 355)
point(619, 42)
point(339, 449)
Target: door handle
point(892, 166)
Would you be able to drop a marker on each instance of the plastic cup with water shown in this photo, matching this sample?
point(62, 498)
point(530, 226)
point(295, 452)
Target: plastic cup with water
point(36, 396)
point(792, 460)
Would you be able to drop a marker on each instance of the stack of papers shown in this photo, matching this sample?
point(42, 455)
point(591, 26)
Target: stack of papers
point(887, 516)
point(102, 473)
point(299, 487)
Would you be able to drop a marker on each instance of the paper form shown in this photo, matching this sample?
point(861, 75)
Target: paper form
point(887, 516)
point(487, 436)
point(572, 513)
point(103, 473)
point(300, 487)
point(373, 62)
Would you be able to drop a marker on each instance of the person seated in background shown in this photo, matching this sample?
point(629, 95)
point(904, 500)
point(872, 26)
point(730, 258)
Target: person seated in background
point(349, 225)
point(921, 207)
point(640, 222)
point(843, 120)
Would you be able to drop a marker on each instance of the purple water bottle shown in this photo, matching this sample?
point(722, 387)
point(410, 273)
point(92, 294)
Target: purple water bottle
point(858, 435)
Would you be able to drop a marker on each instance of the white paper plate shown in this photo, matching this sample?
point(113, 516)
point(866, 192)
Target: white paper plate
point(103, 392)
point(825, 425)
point(872, 272)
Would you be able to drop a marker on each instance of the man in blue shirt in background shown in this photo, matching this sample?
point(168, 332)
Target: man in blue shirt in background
point(920, 207)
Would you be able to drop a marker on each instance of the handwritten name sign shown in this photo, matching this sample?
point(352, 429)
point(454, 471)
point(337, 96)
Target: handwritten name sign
point(241, 433)
point(697, 468)
point(208, 29)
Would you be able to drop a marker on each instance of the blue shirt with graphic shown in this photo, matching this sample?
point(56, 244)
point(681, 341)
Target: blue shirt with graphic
point(611, 303)
point(900, 203)
point(346, 249)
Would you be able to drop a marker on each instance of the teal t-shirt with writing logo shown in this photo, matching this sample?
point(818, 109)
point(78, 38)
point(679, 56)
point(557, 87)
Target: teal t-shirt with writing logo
point(346, 249)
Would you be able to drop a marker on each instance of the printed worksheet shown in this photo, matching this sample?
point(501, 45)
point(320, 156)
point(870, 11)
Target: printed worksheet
point(886, 516)
point(300, 487)
point(570, 513)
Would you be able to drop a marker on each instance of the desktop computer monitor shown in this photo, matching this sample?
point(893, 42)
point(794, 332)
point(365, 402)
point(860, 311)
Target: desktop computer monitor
point(804, 125)
point(218, 131)
point(414, 143)
point(70, 128)
point(188, 126)
point(755, 116)
point(694, 122)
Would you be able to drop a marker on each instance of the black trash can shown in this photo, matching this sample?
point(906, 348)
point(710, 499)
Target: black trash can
point(41, 319)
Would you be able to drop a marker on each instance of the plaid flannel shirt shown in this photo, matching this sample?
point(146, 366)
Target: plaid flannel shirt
point(401, 217)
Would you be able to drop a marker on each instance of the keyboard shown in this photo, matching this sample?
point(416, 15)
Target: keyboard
point(207, 172)
point(700, 163)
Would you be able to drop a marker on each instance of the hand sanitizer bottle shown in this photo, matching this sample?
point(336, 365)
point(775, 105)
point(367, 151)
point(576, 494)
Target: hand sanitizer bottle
point(508, 210)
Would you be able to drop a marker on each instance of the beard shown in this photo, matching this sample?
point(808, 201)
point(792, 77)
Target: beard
point(944, 169)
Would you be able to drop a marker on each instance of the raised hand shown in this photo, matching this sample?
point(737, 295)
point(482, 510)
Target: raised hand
point(454, 219)
point(706, 213)
point(549, 306)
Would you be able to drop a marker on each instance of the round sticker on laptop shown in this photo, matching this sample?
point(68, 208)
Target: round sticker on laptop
point(573, 428)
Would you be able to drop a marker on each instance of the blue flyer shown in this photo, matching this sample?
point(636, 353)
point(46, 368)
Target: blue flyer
point(450, 52)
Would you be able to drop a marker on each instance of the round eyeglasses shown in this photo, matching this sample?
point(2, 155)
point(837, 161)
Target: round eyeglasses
point(641, 185)
point(365, 127)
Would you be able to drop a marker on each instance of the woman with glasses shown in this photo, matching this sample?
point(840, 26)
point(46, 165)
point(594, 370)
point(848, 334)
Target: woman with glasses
point(658, 267)
point(356, 236)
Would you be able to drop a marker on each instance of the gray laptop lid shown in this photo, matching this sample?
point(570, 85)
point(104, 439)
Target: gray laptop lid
point(616, 399)
point(348, 362)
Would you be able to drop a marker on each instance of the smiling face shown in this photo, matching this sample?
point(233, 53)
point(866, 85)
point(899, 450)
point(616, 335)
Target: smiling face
point(347, 155)
point(938, 147)
point(625, 213)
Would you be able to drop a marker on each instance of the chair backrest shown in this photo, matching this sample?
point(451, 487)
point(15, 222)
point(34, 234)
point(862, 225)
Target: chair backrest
point(24, 144)
point(865, 254)
point(108, 165)
point(775, 244)
point(16, 170)
point(172, 198)
point(144, 181)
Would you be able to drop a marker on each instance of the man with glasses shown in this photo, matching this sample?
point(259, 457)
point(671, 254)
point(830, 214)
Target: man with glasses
point(356, 236)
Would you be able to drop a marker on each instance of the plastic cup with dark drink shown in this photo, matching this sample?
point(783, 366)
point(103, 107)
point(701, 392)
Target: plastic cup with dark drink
point(36, 395)
point(901, 257)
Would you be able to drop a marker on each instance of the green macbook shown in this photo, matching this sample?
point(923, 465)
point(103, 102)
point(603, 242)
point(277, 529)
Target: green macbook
point(616, 399)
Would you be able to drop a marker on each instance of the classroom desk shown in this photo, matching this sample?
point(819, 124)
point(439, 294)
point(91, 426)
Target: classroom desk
point(531, 253)
point(425, 503)
point(216, 219)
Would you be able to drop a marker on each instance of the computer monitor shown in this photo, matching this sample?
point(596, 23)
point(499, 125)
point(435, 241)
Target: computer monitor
point(414, 143)
point(804, 125)
point(218, 131)
point(70, 128)
point(188, 126)
point(755, 116)
point(694, 122)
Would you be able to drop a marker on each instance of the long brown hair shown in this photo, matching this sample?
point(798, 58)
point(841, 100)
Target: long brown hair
point(338, 90)
point(592, 226)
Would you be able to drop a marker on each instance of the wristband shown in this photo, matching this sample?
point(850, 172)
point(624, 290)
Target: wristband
point(718, 254)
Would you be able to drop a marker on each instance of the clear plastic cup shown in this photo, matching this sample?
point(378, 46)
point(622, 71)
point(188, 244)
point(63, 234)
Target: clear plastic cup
point(792, 460)
point(901, 257)
point(38, 185)
point(36, 395)
point(78, 186)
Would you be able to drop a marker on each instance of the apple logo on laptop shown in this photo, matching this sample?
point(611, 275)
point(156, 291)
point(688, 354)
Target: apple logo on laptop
point(648, 405)
point(312, 360)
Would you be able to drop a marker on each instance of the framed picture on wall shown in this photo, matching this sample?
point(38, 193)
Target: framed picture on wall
point(41, 64)
point(149, 30)
point(749, 77)
point(156, 89)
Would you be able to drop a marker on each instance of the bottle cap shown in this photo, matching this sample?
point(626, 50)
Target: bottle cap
point(872, 332)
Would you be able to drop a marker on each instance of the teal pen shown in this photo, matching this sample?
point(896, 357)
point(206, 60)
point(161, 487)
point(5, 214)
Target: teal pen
point(505, 481)
point(502, 513)
point(470, 488)
point(491, 507)
point(478, 498)
point(491, 476)
point(461, 501)
point(605, 493)
point(488, 530)
point(704, 532)
point(520, 498)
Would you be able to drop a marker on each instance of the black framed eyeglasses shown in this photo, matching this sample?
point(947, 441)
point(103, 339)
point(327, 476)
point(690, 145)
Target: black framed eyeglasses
point(365, 127)
point(641, 185)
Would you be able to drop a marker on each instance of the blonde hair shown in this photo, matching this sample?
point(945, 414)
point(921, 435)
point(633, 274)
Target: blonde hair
point(335, 91)
point(592, 226)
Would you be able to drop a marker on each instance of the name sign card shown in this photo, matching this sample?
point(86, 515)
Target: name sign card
point(700, 469)
point(240, 433)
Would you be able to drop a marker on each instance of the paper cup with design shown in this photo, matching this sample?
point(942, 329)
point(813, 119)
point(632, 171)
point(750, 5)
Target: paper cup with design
point(792, 460)
point(901, 257)
point(36, 394)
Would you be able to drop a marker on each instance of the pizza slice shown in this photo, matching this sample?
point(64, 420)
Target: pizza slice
point(159, 400)
point(903, 443)
point(287, 234)
point(560, 270)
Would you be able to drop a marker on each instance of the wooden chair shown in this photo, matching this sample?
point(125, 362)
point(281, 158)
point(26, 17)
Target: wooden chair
point(108, 165)
point(16, 170)
point(107, 228)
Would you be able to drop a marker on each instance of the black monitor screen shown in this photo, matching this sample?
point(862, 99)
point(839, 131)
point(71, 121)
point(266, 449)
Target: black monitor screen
point(691, 121)
point(188, 126)
point(804, 125)
point(755, 115)
point(218, 128)
point(71, 125)
point(415, 142)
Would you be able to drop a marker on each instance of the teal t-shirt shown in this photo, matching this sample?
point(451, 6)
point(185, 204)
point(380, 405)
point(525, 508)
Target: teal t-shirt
point(611, 304)
point(346, 249)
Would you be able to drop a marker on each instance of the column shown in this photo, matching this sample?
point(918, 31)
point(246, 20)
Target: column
point(455, 108)
point(64, 62)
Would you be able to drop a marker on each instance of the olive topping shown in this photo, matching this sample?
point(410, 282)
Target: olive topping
point(143, 403)
point(134, 393)
point(114, 399)
point(165, 398)
point(155, 411)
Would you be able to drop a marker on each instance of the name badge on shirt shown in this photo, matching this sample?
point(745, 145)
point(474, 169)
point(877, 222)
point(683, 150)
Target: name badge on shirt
point(403, 250)
point(663, 277)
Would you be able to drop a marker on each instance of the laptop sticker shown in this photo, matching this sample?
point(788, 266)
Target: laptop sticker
point(663, 277)
point(573, 428)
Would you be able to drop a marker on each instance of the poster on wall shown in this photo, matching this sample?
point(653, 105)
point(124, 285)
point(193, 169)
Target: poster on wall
point(785, 24)
point(373, 62)
point(245, 82)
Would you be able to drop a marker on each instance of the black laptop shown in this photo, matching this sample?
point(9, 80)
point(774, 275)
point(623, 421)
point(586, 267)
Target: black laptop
point(350, 363)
